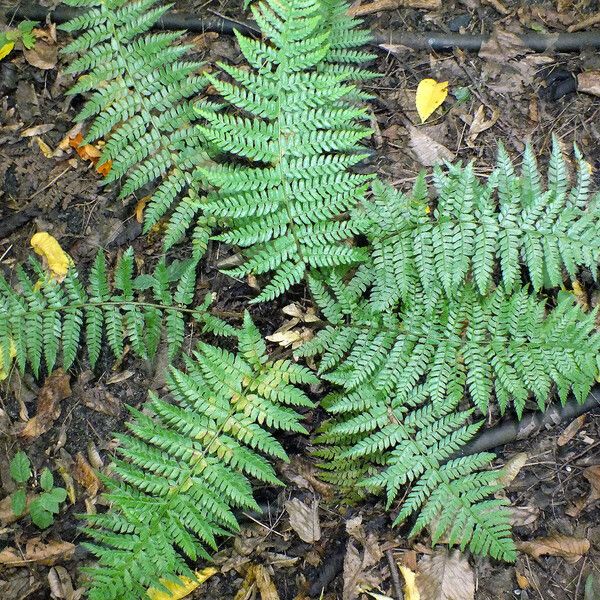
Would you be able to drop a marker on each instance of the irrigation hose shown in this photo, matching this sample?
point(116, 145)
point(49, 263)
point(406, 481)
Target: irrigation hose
point(435, 40)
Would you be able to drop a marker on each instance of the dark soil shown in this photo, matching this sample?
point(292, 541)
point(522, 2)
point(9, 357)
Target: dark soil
point(65, 196)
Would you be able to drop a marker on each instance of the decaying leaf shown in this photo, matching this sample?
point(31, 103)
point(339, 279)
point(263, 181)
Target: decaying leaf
point(43, 55)
point(427, 151)
point(304, 519)
point(512, 468)
point(565, 546)
point(589, 82)
point(37, 130)
point(523, 515)
point(61, 585)
point(183, 589)
point(55, 259)
point(257, 579)
point(445, 576)
point(430, 96)
point(479, 123)
point(360, 9)
point(7, 514)
point(37, 552)
point(91, 153)
point(359, 574)
point(570, 431)
point(592, 474)
point(55, 389)
point(411, 591)
point(85, 476)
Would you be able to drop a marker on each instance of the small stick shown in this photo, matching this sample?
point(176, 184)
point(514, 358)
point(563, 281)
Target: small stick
point(498, 6)
point(395, 575)
point(589, 22)
point(377, 5)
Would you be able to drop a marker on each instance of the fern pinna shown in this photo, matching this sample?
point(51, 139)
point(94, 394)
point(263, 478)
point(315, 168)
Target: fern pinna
point(187, 467)
point(46, 318)
point(437, 317)
point(142, 95)
point(286, 199)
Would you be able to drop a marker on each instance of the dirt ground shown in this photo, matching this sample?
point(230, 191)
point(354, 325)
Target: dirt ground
point(501, 93)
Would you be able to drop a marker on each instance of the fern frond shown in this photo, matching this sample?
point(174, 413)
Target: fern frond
point(45, 317)
point(186, 469)
point(141, 95)
point(296, 127)
point(475, 228)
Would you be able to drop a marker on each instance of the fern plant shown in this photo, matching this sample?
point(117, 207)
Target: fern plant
point(44, 319)
point(185, 469)
point(477, 229)
point(436, 317)
point(295, 130)
point(142, 96)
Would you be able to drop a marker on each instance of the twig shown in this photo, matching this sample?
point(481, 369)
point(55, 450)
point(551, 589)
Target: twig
point(377, 5)
point(498, 6)
point(395, 575)
point(589, 22)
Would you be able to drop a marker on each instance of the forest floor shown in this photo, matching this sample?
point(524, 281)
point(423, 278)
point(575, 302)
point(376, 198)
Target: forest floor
point(497, 94)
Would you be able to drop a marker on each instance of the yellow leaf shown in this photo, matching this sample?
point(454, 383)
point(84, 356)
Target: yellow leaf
point(411, 591)
point(430, 95)
point(183, 589)
point(45, 149)
point(6, 49)
point(5, 365)
point(55, 258)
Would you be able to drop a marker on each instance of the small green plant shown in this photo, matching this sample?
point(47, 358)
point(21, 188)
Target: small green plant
point(46, 503)
point(22, 34)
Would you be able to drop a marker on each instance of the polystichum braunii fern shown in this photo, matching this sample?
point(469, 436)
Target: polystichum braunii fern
point(186, 468)
point(142, 98)
point(298, 136)
point(45, 318)
point(454, 328)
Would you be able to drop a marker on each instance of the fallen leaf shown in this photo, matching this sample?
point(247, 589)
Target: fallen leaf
point(7, 515)
point(359, 10)
point(567, 547)
point(304, 519)
point(512, 468)
point(411, 592)
point(257, 578)
point(37, 130)
point(183, 589)
point(37, 552)
point(570, 431)
point(55, 389)
point(446, 576)
point(43, 55)
point(427, 151)
point(139, 208)
point(104, 168)
point(61, 585)
point(54, 257)
point(6, 49)
point(592, 474)
point(85, 475)
point(44, 148)
point(523, 515)
point(589, 82)
point(479, 124)
point(522, 581)
point(430, 96)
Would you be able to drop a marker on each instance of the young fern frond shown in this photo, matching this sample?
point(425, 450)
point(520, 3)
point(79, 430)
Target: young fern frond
point(473, 230)
point(297, 131)
point(186, 469)
point(142, 91)
point(43, 319)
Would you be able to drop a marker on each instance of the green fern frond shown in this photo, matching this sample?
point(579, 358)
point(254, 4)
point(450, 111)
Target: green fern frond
point(298, 133)
point(141, 95)
point(186, 470)
point(44, 318)
point(473, 228)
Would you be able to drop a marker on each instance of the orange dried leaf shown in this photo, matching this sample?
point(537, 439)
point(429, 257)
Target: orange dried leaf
point(85, 475)
point(104, 168)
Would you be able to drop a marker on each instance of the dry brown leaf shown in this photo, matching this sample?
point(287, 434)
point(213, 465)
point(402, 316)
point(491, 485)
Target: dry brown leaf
point(479, 124)
point(377, 5)
point(592, 474)
point(55, 389)
point(257, 578)
point(512, 468)
point(565, 546)
point(304, 519)
point(523, 515)
point(589, 82)
point(37, 130)
point(60, 583)
point(37, 552)
point(7, 516)
point(85, 475)
point(571, 430)
point(446, 576)
point(426, 150)
point(43, 55)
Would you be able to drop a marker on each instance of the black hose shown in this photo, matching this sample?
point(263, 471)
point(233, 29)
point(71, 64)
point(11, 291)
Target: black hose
point(530, 425)
point(440, 41)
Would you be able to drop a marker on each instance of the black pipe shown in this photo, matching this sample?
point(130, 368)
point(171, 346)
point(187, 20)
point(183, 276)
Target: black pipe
point(530, 425)
point(440, 41)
